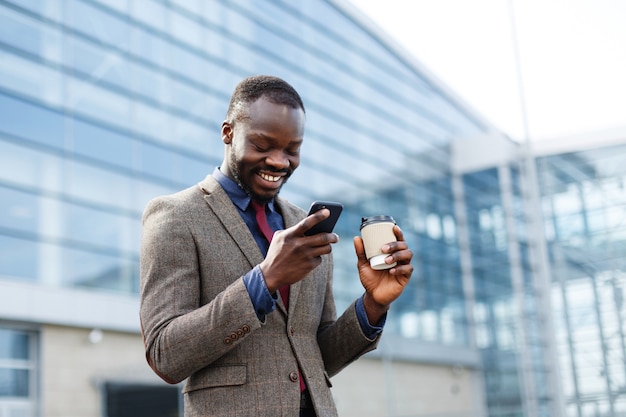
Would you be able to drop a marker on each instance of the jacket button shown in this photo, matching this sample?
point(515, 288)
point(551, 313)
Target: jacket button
point(240, 332)
point(233, 336)
point(227, 341)
point(292, 330)
point(293, 376)
point(246, 328)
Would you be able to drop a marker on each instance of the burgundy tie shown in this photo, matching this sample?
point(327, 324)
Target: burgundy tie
point(264, 227)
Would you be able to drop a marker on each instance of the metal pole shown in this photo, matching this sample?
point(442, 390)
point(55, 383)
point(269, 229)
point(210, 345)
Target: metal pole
point(538, 253)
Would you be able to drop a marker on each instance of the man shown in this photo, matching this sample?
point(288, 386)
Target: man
point(215, 291)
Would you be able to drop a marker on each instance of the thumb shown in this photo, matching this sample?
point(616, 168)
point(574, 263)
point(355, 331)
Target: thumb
point(359, 248)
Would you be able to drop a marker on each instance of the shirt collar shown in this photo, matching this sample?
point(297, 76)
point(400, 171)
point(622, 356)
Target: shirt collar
point(237, 195)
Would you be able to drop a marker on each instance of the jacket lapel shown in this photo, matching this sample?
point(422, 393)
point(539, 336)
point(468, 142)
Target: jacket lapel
point(229, 216)
point(224, 209)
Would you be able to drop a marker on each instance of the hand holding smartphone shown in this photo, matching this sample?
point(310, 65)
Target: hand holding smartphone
point(327, 225)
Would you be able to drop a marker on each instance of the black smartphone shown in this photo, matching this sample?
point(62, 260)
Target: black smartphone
point(327, 225)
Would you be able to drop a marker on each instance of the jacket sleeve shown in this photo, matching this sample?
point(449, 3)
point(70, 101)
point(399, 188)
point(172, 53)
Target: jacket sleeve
point(341, 340)
point(180, 334)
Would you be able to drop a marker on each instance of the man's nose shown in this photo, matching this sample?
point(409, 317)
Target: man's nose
point(278, 160)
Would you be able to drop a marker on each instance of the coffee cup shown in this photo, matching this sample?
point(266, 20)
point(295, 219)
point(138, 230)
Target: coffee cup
point(377, 231)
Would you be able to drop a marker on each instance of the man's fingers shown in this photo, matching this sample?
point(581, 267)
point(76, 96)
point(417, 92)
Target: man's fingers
point(312, 220)
point(358, 246)
point(394, 246)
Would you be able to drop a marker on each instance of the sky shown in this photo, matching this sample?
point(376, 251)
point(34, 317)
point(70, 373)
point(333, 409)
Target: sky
point(571, 55)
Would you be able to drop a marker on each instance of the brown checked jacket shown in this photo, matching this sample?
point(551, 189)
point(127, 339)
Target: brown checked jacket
point(199, 324)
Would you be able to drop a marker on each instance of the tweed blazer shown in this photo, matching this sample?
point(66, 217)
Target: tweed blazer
point(199, 324)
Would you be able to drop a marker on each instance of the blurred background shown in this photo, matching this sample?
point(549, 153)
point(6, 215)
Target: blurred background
point(516, 305)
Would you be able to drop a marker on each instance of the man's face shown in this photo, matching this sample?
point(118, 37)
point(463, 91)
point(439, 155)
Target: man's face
point(263, 150)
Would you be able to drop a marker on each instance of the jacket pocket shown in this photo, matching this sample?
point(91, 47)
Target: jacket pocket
point(217, 376)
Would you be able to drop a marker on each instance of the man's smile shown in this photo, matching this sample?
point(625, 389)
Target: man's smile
point(270, 178)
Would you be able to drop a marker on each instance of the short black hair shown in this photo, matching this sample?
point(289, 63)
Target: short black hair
point(275, 89)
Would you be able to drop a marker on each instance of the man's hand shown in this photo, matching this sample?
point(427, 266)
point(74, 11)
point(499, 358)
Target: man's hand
point(384, 286)
point(292, 255)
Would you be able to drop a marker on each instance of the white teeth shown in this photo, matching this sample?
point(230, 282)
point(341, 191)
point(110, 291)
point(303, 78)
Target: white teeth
point(269, 177)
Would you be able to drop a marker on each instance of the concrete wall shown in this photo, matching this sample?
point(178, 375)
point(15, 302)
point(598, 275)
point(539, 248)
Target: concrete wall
point(375, 388)
point(74, 362)
point(72, 366)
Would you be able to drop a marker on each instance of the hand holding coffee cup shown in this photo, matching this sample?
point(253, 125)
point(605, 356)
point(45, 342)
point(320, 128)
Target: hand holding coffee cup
point(377, 231)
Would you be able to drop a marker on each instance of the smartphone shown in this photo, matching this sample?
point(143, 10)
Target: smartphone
point(327, 225)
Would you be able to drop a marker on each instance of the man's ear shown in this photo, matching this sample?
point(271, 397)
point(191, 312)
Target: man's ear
point(227, 132)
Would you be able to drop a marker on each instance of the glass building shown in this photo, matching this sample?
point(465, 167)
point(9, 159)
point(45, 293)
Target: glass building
point(583, 197)
point(515, 307)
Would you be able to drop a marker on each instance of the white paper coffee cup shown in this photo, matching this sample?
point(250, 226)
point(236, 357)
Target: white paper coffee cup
point(377, 231)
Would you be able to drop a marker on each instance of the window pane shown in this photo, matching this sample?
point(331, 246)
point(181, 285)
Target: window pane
point(102, 144)
point(98, 185)
point(16, 118)
point(93, 270)
point(105, 27)
point(29, 167)
point(18, 258)
point(18, 210)
point(28, 34)
point(13, 383)
point(13, 344)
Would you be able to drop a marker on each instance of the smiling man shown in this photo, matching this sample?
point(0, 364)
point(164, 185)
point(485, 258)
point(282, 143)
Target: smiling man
point(235, 298)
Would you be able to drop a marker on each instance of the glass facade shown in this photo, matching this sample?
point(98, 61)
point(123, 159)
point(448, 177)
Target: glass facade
point(510, 329)
point(105, 104)
point(584, 206)
point(545, 238)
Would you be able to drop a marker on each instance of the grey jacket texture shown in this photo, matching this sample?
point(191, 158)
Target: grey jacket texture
point(199, 324)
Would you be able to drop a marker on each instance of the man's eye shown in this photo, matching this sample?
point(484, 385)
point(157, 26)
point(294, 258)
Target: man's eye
point(293, 152)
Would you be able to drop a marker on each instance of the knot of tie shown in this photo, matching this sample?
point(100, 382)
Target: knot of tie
point(261, 219)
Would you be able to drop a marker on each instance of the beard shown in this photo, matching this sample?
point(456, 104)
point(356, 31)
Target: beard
point(235, 167)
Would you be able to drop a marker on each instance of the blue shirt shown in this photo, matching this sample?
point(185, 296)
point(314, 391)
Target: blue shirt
point(264, 302)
